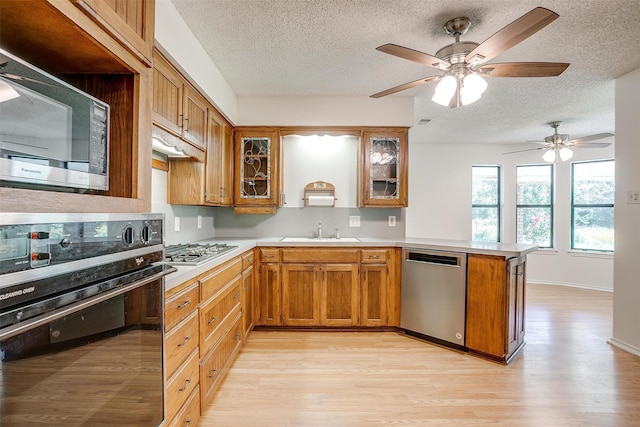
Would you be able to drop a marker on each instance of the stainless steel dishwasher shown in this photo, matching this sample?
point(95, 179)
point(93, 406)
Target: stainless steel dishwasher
point(433, 296)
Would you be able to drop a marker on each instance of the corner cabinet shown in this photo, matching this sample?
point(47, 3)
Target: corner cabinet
point(383, 168)
point(257, 170)
point(495, 325)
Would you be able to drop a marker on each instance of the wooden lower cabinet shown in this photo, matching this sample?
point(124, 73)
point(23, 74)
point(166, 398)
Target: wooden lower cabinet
point(190, 412)
point(204, 330)
point(217, 362)
point(495, 305)
point(248, 285)
point(333, 287)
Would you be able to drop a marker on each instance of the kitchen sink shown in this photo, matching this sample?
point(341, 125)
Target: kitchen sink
point(317, 240)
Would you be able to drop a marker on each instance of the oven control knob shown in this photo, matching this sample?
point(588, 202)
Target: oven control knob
point(146, 233)
point(128, 235)
point(65, 243)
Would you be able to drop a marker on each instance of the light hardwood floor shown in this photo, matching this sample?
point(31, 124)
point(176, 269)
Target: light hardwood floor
point(567, 375)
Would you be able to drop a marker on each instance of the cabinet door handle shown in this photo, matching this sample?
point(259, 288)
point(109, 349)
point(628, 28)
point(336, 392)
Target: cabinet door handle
point(213, 373)
point(213, 319)
point(237, 337)
point(184, 304)
point(186, 125)
point(236, 295)
point(184, 342)
point(184, 387)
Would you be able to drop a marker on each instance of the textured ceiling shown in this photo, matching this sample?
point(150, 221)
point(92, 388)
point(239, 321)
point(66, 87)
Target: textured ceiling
point(327, 47)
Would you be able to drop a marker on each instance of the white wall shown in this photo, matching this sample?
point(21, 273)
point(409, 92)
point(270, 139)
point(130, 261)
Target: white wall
point(440, 206)
point(325, 111)
point(175, 39)
point(626, 297)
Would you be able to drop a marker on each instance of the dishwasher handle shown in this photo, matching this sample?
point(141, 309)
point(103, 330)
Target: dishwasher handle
point(429, 258)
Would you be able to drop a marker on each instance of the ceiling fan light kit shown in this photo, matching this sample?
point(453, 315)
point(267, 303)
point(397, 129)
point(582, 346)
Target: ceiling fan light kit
point(464, 62)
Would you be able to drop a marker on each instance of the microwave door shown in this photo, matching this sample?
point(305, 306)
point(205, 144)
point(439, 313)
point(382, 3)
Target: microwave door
point(34, 127)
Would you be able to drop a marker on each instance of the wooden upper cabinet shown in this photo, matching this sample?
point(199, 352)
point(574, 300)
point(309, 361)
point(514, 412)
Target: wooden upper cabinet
point(383, 168)
point(219, 161)
point(131, 22)
point(177, 107)
point(167, 95)
point(194, 110)
point(257, 173)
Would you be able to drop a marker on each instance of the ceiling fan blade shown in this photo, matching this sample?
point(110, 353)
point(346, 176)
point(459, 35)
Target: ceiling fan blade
point(404, 86)
point(517, 31)
point(524, 69)
point(579, 141)
point(414, 55)
point(528, 149)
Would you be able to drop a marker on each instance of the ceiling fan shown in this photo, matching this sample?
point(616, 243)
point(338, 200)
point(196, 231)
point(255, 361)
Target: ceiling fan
point(464, 62)
point(557, 145)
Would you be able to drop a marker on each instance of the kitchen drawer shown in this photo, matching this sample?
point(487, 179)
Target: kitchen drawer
point(219, 277)
point(180, 342)
point(269, 255)
point(319, 256)
point(181, 384)
point(179, 306)
point(374, 256)
point(247, 260)
point(215, 313)
point(190, 412)
point(215, 365)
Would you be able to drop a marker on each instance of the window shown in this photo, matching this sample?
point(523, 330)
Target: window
point(592, 195)
point(534, 205)
point(485, 203)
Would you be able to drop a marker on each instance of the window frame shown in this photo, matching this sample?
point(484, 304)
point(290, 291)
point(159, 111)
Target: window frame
point(590, 205)
point(551, 205)
point(497, 206)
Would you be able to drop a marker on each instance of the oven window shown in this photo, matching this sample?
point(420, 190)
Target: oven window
point(99, 366)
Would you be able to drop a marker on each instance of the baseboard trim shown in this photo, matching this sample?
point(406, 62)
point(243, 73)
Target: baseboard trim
point(570, 285)
point(624, 346)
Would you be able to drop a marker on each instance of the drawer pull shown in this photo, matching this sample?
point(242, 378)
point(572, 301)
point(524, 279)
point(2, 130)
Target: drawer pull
point(184, 304)
point(213, 319)
point(236, 295)
point(374, 256)
point(213, 373)
point(184, 342)
point(184, 387)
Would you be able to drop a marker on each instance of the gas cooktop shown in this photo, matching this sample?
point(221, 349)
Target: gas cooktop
point(194, 253)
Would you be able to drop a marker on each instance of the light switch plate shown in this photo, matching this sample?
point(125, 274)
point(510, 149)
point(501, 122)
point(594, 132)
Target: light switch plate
point(392, 220)
point(199, 221)
point(354, 221)
point(176, 223)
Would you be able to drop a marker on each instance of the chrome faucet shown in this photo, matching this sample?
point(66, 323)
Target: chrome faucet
point(319, 230)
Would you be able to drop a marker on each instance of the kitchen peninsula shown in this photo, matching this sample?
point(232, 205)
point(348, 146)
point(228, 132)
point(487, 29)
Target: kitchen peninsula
point(329, 283)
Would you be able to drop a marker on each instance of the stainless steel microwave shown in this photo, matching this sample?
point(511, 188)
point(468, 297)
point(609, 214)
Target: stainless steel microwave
point(51, 133)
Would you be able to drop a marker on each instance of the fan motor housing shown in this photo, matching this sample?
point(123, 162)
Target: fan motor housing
point(455, 53)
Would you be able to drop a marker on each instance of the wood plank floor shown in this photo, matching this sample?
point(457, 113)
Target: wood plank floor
point(567, 375)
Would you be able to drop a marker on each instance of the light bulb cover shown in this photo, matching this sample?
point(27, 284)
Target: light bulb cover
point(473, 86)
point(445, 90)
point(565, 153)
point(549, 156)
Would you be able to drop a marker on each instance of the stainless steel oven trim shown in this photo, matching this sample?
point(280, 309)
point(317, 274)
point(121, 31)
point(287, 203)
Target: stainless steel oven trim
point(18, 277)
point(19, 328)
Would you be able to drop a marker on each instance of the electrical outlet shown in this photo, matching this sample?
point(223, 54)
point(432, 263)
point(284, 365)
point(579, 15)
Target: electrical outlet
point(392, 220)
point(176, 223)
point(633, 196)
point(354, 221)
point(199, 221)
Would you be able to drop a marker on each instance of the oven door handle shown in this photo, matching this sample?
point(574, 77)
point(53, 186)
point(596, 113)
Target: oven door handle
point(42, 319)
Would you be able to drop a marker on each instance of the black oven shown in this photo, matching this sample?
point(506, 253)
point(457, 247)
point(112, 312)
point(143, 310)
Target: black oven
point(81, 307)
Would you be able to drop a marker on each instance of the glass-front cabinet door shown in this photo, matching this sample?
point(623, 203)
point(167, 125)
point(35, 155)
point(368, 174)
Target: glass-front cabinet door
point(384, 169)
point(257, 168)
